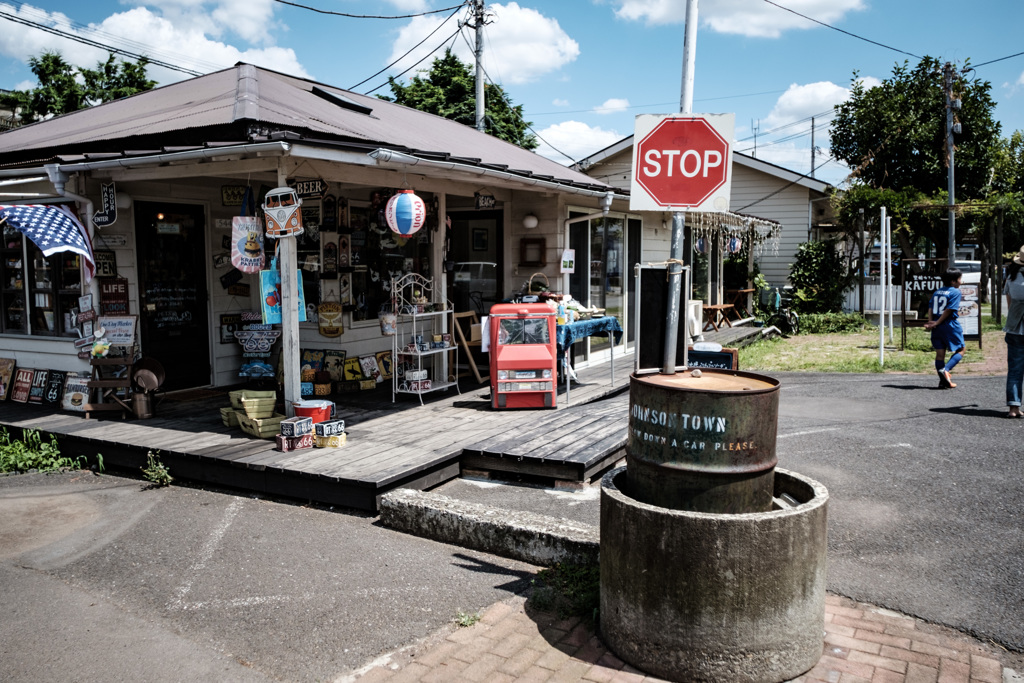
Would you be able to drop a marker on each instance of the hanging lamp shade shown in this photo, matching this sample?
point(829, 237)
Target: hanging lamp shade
point(405, 213)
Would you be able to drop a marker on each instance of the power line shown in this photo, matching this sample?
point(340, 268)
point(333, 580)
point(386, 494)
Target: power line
point(410, 50)
point(429, 54)
point(97, 44)
point(852, 35)
point(368, 16)
point(788, 185)
point(659, 104)
point(993, 61)
point(788, 125)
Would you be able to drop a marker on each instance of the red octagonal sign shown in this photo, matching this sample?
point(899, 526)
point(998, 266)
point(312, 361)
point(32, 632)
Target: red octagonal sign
point(681, 162)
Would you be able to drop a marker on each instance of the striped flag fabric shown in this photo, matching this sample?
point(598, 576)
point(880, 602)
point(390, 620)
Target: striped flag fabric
point(52, 228)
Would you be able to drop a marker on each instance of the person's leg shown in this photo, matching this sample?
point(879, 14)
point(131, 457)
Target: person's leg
point(954, 359)
point(1014, 372)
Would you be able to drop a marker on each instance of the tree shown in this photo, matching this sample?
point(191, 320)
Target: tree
point(449, 90)
point(894, 135)
point(64, 88)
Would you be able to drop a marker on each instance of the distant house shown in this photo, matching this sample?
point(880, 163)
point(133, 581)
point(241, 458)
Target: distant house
point(798, 203)
point(8, 119)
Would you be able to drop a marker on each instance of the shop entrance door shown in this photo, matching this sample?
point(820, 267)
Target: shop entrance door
point(475, 261)
point(171, 250)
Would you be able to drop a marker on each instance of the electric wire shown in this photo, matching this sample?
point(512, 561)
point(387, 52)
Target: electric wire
point(100, 36)
point(97, 44)
point(786, 186)
point(500, 90)
point(369, 16)
point(410, 49)
point(420, 61)
point(993, 61)
point(659, 104)
point(852, 35)
point(828, 113)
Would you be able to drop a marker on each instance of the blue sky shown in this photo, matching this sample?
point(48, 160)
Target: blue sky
point(583, 69)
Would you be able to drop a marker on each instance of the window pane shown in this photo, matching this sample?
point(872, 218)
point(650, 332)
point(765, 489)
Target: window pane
point(526, 331)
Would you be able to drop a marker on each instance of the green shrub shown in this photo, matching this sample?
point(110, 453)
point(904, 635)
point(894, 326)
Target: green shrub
point(831, 323)
point(819, 277)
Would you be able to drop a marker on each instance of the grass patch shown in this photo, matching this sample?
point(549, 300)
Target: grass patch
point(568, 590)
point(30, 452)
point(465, 619)
point(857, 351)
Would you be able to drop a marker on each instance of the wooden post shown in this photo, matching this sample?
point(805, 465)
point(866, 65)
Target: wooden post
point(289, 264)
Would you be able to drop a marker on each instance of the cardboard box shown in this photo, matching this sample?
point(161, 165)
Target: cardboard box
point(475, 333)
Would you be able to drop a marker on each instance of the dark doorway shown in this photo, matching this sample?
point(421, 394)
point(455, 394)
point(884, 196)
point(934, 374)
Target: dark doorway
point(475, 261)
point(170, 246)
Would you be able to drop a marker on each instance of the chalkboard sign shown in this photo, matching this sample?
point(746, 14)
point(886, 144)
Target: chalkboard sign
point(651, 307)
point(726, 359)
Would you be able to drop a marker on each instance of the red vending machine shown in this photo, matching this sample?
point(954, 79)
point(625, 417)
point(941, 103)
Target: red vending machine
point(523, 356)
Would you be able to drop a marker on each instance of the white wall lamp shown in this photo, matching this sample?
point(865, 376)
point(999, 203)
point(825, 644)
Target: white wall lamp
point(530, 221)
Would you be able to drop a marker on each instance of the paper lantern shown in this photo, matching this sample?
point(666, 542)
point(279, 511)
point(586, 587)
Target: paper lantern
point(405, 213)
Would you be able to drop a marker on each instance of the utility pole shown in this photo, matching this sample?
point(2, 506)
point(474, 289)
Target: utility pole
point(952, 105)
point(478, 13)
point(812, 147)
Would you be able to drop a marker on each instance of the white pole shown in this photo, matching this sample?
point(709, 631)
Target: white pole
point(288, 256)
point(892, 297)
point(881, 290)
point(675, 272)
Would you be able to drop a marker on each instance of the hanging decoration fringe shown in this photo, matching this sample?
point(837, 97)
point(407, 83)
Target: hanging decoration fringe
point(731, 229)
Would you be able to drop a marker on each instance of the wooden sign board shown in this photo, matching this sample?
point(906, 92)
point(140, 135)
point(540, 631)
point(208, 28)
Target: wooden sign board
point(726, 359)
point(119, 330)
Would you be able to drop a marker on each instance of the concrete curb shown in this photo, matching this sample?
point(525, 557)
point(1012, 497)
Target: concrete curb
point(536, 539)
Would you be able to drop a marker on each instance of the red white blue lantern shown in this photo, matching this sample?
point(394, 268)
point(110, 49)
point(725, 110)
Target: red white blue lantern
point(405, 213)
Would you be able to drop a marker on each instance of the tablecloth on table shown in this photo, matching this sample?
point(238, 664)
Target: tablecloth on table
point(566, 334)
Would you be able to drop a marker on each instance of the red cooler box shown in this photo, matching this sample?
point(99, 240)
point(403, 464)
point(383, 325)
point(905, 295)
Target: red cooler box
point(523, 356)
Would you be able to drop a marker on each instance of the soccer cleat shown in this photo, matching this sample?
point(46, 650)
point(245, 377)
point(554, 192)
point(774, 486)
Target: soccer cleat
point(946, 380)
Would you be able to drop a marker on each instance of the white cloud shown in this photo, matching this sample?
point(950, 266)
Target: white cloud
point(802, 101)
point(247, 19)
point(559, 102)
point(184, 45)
point(576, 139)
point(408, 5)
point(612, 106)
point(742, 17)
point(520, 45)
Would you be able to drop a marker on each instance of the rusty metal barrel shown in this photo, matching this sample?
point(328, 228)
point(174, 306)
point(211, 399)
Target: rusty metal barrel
point(703, 443)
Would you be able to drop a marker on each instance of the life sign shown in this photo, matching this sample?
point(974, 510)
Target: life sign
point(682, 162)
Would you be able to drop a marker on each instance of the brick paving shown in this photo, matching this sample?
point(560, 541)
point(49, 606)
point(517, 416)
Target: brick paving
point(512, 642)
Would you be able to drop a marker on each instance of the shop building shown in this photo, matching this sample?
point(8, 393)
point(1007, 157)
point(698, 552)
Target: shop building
point(157, 178)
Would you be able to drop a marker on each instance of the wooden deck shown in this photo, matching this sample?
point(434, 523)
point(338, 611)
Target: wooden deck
point(389, 445)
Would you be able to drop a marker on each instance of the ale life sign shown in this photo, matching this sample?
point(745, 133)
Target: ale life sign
point(682, 162)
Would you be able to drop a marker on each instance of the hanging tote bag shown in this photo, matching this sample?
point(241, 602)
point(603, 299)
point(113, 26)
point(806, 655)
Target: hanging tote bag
point(270, 295)
point(247, 239)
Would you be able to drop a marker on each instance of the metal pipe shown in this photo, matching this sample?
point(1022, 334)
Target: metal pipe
point(150, 160)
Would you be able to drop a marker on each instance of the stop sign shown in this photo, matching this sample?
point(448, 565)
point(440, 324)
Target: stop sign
point(682, 162)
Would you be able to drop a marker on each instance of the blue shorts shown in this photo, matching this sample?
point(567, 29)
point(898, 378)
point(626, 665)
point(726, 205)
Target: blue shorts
point(948, 336)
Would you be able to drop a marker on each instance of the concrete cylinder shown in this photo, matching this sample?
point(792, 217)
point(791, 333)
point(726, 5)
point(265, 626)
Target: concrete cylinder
point(694, 596)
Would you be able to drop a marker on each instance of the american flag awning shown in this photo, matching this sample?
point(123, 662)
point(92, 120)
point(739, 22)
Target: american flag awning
point(52, 228)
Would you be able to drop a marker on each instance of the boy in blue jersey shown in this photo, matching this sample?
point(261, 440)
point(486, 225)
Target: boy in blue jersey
point(944, 322)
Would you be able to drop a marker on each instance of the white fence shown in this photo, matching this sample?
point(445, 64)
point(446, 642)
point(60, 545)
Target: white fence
point(873, 299)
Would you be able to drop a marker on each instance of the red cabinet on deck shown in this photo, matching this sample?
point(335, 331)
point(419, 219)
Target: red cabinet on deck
point(523, 356)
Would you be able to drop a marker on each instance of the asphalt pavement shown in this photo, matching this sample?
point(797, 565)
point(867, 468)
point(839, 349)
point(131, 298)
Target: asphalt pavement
point(105, 579)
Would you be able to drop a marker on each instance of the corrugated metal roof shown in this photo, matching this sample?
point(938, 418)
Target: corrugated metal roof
point(222, 106)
